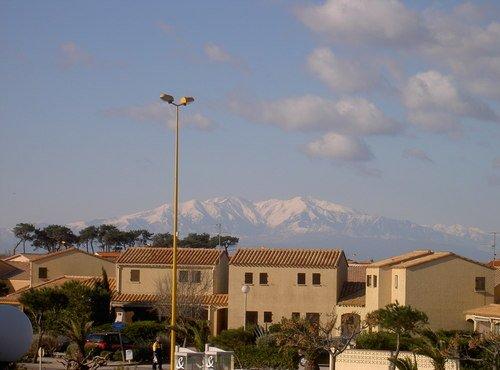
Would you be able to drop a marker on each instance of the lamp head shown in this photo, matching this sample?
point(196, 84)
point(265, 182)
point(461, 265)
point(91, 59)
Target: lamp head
point(167, 98)
point(245, 289)
point(185, 100)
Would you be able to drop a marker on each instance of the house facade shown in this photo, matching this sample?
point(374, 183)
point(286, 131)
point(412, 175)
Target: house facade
point(442, 284)
point(71, 261)
point(284, 283)
point(143, 276)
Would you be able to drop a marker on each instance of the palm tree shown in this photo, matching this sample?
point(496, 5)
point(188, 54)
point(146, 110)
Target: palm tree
point(404, 363)
point(436, 347)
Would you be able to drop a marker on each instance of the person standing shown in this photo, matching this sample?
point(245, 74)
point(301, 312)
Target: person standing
point(157, 354)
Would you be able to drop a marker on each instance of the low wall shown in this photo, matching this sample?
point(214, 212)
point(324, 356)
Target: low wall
point(361, 359)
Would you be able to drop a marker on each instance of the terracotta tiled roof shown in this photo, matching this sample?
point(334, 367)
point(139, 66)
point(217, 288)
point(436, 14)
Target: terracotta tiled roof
point(29, 256)
point(491, 310)
point(356, 272)
point(13, 298)
point(163, 256)
point(67, 251)
point(315, 258)
point(216, 300)
point(495, 264)
point(352, 294)
point(18, 270)
point(434, 257)
point(112, 256)
point(400, 259)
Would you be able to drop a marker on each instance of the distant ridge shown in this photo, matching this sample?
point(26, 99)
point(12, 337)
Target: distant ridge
point(303, 222)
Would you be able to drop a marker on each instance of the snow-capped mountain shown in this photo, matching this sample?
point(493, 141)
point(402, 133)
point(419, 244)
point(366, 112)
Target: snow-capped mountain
point(304, 222)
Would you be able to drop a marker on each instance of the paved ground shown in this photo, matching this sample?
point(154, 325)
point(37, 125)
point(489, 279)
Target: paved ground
point(54, 364)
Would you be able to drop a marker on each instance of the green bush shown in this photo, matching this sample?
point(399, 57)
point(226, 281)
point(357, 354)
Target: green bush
point(103, 328)
point(381, 340)
point(231, 339)
point(144, 331)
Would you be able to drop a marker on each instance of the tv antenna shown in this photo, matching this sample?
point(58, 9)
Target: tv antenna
point(219, 229)
point(494, 245)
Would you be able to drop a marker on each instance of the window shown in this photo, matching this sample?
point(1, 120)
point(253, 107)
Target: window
point(301, 278)
point(396, 281)
point(268, 316)
point(183, 276)
point(316, 279)
point(480, 283)
point(196, 276)
point(312, 317)
point(252, 317)
point(248, 278)
point(42, 272)
point(368, 280)
point(295, 315)
point(263, 278)
point(374, 281)
point(135, 275)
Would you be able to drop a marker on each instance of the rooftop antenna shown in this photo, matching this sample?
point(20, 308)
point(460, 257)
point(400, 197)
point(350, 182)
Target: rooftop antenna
point(219, 228)
point(494, 246)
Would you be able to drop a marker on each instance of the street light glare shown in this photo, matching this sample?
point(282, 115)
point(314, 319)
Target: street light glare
point(185, 100)
point(168, 98)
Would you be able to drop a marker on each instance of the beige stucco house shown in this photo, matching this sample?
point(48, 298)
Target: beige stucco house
point(15, 270)
point(143, 277)
point(284, 283)
point(442, 284)
point(71, 261)
point(485, 319)
point(496, 265)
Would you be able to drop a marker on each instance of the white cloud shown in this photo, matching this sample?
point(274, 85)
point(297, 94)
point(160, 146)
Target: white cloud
point(386, 22)
point(436, 103)
point(340, 148)
point(73, 55)
point(162, 113)
point(341, 75)
point(417, 153)
point(216, 53)
point(353, 116)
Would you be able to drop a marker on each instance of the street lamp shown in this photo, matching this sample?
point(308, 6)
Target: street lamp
point(182, 102)
point(245, 289)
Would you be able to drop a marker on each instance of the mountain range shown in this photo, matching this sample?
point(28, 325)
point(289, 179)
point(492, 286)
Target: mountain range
point(300, 222)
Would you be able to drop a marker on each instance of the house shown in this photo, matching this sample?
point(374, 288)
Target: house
point(284, 283)
point(486, 319)
point(496, 265)
point(89, 281)
point(71, 261)
point(15, 274)
point(143, 279)
point(441, 284)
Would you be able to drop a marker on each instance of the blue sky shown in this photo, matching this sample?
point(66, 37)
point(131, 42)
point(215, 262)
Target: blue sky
point(381, 106)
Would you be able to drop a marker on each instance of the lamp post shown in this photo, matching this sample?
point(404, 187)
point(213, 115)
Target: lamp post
point(173, 318)
point(245, 289)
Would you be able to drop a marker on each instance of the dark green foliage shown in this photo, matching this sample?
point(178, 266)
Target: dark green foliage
point(233, 338)
point(4, 288)
point(144, 331)
point(88, 236)
point(405, 363)
point(381, 340)
point(24, 232)
point(162, 240)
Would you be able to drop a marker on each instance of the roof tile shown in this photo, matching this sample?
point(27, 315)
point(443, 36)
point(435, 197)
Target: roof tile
point(163, 256)
point(315, 258)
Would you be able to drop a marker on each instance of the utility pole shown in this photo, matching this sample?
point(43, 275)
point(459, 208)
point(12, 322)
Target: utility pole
point(494, 246)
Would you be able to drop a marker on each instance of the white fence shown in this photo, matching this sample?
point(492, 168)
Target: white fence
point(361, 359)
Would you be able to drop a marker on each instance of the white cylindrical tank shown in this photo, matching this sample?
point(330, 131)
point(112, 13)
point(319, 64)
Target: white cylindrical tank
point(16, 333)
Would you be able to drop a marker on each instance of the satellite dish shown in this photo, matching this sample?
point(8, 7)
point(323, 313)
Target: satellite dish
point(16, 334)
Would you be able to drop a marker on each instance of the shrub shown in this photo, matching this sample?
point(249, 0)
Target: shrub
point(381, 341)
point(49, 343)
point(144, 331)
point(103, 328)
point(231, 339)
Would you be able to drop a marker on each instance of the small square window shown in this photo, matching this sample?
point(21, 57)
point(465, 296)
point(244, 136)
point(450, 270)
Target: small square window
point(480, 283)
point(248, 278)
point(396, 281)
point(196, 276)
point(295, 315)
point(316, 279)
point(374, 281)
point(301, 278)
point(268, 316)
point(183, 276)
point(135, 275)
point(368, 280)
point(42, 272)
point(312, 317)
point(263, 278)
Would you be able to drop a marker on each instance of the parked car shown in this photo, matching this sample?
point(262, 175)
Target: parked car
point(108, 341)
